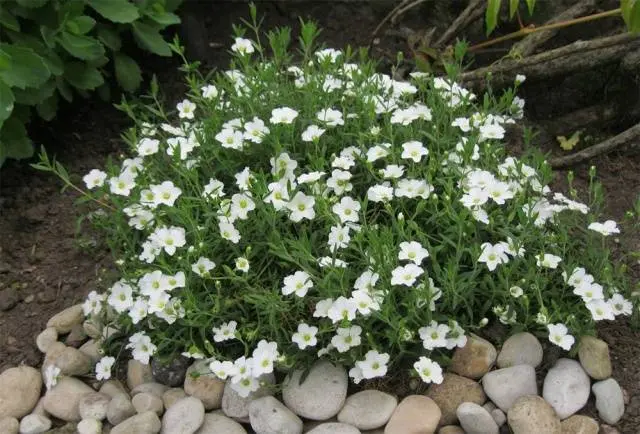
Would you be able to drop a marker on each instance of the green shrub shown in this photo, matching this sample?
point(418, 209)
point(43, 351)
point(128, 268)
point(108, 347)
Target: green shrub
point(55, 48)
point(288, 212)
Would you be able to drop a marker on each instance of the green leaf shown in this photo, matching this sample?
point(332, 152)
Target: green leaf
point(47, 109)
point(82, 47)
point(48, 36)
point(64, 89)
point(164, 18)
point(26, 68)
point(127, 72)
point(531, 4)
point(14, 142)
point(513, 7)
point(571, 142)
point(35, 95)
point(81, 25)
point(631, 14)
point(6, 102)
point(110, 38)
point(82, 76)
point(491, 16)
point(9, 21)
point(150, 39)
point(104, 92)
point(5, 61)
point(172, 5)
point(32, 4)
point(118, 11)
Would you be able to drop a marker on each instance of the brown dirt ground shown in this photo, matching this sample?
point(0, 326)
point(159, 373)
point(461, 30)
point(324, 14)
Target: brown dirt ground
point(47, 266)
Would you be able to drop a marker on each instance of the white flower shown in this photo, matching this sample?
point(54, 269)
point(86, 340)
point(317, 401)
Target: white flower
point(278, 195)
point(346, 338)
point(263, 357)
point(202, 266)
point(312, 133)
point(380, 193)
point(600, 310)
point(343, 162)
point(548, 260)
point(374, 364)
point(230, 138)
point(225, 332)
point(310, 178)
point(434, 335)
point(475, 198)
point(392, 171)
point(355, 374)
point(242, 264)
point(342, 309)
point(141, 347)
point(493, 255)
point(165, 193)
point(462, 123)
point(209, 91)
point(347, 210)
point(93, 303)
point(139, 310)
point(607, 228)
point(338, 237)
point(186, 109)
point(305, 336)
point(244, 179)
point(414, 150)
point(491, 131)
point(95, 178)
point(499, 192)
point(330, 117)
point(328, 261)
point(558, 335)
point(589, 291)
point(428, 370)
point(121, 296)
point(365, 303)
point(339, 182)
point(328, 54)
point(301, 207)
point(103, 368)
point(147, 146)
point(51, 376)
point(578, 277)
point(456, 336)
point(406, 275)
point(241, 205)
point(322, 308)
point(516, 291)
point(298, 283)
point(255, 130)
point(242, 46)
point(122, 184)
point(223, 370)
point(413, 188)
point(283, 166)
point(412, 251)
point(520, 78)
point(184, 144)
point(169, 238)
point(283, 115)
point(620, 305)
point(245, 385)
point(229, 232)
point(378, 151)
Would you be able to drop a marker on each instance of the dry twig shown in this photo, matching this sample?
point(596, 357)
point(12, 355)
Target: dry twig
point(609, 145)
point(472, 12)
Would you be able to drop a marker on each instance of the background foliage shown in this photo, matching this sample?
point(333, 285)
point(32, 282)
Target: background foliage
point(52, 49)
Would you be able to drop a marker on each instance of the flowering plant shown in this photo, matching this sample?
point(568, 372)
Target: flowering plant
point(289, 212)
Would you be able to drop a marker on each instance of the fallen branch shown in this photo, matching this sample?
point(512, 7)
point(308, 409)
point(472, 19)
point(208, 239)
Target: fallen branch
point(577, 56)
point(605, 147)
point(529, 44)
point(595, 114)
point(472, 12)
point(390, 16)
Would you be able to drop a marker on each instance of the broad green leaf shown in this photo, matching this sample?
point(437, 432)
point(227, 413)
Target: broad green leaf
point(491, 16)
point(9, 21)
point(631, 14)
point(531, 4)
point(513, 7)
point(118, 11)
point(14, 142)
point(54, 63)
point(26, 68)
point(48, 36)
point(32, 4)
point(5, 60)
point(82, 76)
point(109, 37)
point(6, 102)
point(81, 25)
point(82, 47)
point(64, 89)
point(127, 72)
point(35, 95)
point(150, 39)
point(172, 5)
point(47, 109)
point(164, 18)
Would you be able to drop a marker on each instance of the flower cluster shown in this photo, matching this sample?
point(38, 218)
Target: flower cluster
point(288, 213)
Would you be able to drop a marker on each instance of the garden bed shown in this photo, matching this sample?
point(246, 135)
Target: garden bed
point(45, 268)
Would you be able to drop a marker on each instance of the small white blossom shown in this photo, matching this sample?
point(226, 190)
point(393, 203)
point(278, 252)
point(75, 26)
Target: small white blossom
point(305, 336)
point(558, 335)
